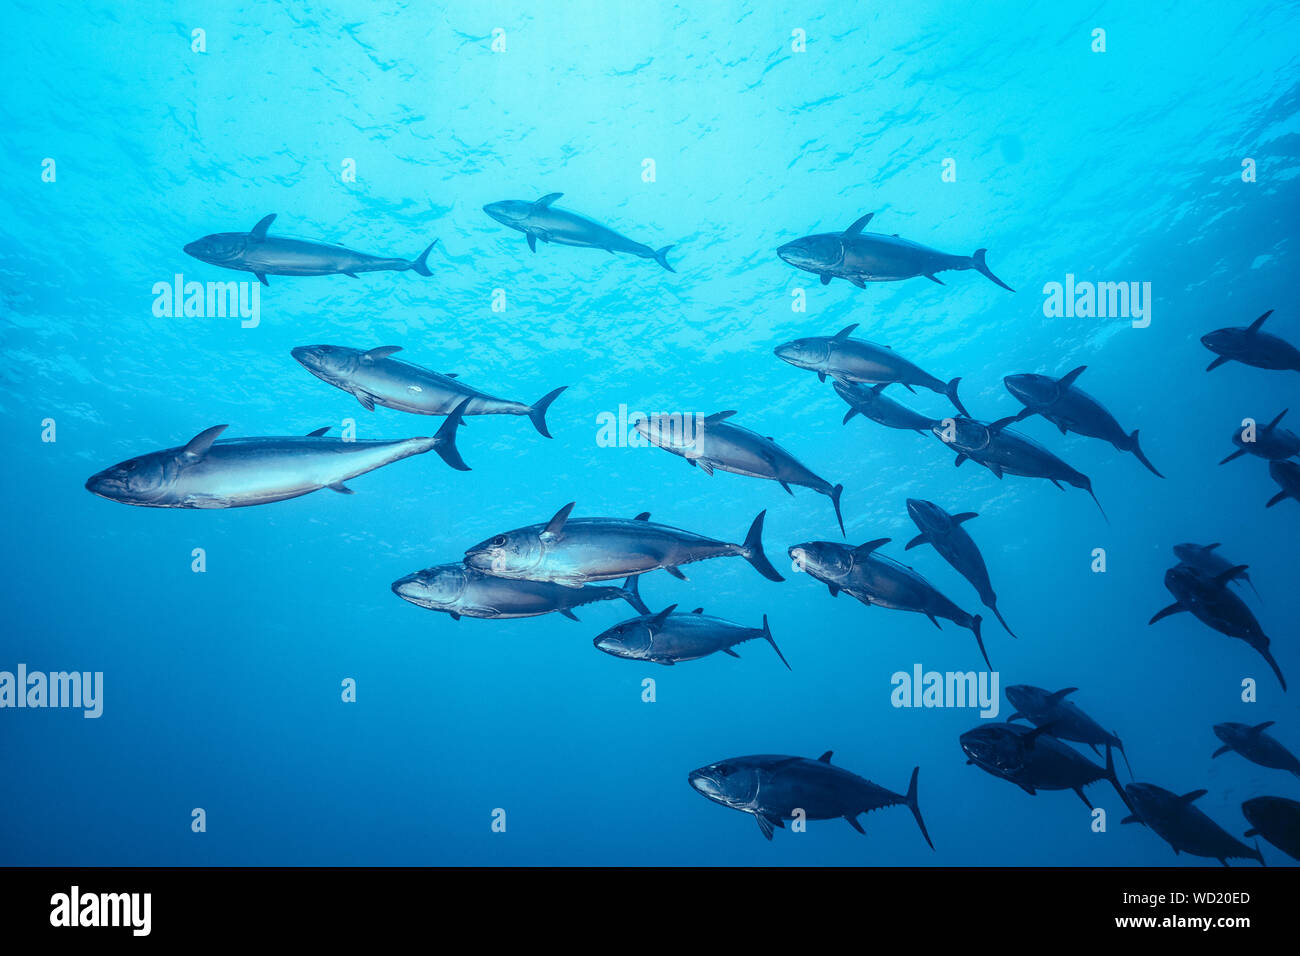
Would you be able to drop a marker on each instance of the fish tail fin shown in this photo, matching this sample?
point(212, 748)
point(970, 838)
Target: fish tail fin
point(752, 550)
point(979, 638)
point(912, 805)
point(1268, 656)
point(1113, 777)
point(661, 257)
point(981, 266)
point(993, 606)
point(1137, 450)
point(835, 500)
point(767, 636)
point(444, 440)
point(951, 391)
point(421, 264)
point(631, 593)
point(537, 413)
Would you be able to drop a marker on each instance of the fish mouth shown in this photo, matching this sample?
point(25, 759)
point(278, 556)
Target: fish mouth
point(701, 782)
point(500, 213)
point(797, 255)
point(193, 249)
point(791, 353)
point(412, 590)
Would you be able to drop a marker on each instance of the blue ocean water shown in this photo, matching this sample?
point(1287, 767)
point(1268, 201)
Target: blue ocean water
point(222, 689)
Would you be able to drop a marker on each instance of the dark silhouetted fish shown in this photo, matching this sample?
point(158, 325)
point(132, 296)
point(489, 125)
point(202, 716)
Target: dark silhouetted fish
point(858, 361)
point(264, 255)
point(1071, 409)
point(541, 220)
point(1250, 346)
point(1272, 442)
point(668, 638)
point(1277, 820)
point(773, 786)
point(1256, 746)
point(375, 379)
point(1034, 760)
point(1183, 826)
point(467, 592)
point(1286, 474)
point(870, 402)
point(876, 579)
point(576, 552)
point(715, 443)
point(862, 257)
point(1206, 558)
point(1004, 451)
point(1211, 603)
point(945, 533)
point(1045, 708)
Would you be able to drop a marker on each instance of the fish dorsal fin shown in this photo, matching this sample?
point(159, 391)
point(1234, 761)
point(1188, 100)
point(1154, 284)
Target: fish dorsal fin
point(382, 352)
point(548, 199)
point(1060, 695)
point(198, 446)
point(318, 432)
point(1066, 380)
point(1193, 796)
point(844, 333)
point(718, 416)
point(862, 550)
point(964, 516)
point(1211, 547)
point(698, 610)
point(662, 616)
point(1222, 579)
point(826, 757)
point(643, 516)
point(1254, 326)
point(263, 224)
point(1258, 728)
point(1274, 423)
point(1002, 423)
point(858, 225)
point(556, 524)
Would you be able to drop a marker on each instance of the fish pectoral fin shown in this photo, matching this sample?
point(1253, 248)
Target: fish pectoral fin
point(764, 824)
point(826, 278)
point(1028, 789)
point(856, 281)
point(934, 620)
point(454, 615)
point(728, 651)
point(350, 275)
point(1131, 818)
point(532, 242)
point(821, 376)
point(568, 613)
point(918, 540)
point(1216, 363)
point(935, 279)
point(834, 590)
point(261, 277)
point(788, 489)
point(341, 488)
point(1165, 612)
point(1221, 751)
point(366, 400)
point(853, 822)
point(675, 572)
point(704, 464)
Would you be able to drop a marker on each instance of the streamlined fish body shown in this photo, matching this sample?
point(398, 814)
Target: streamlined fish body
point(857, 361)
point(861, 257)
point(544, 221)
point(1287, 475)
point(717, 444)
point(944, 532)
point(872, 403)
point(1004, 451)
point(1210, 602)
point(1071, 409)
point(1272, 442)
point(1256, 746)
point(1034, 760)
point(373, 378)
point(264, 255)
point(467, 592)
point(1063, 718)
point(876, 579)
point(774, 786)
point(1251, 346)
point(668, 638)
point(238, 472)
point(1183, 826)
point(576, 552)
point(1277, 820)
point(1207, 558)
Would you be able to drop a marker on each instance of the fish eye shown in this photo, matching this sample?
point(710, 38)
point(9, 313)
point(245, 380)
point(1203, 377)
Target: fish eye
point(724, 770)
point(499, 541)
